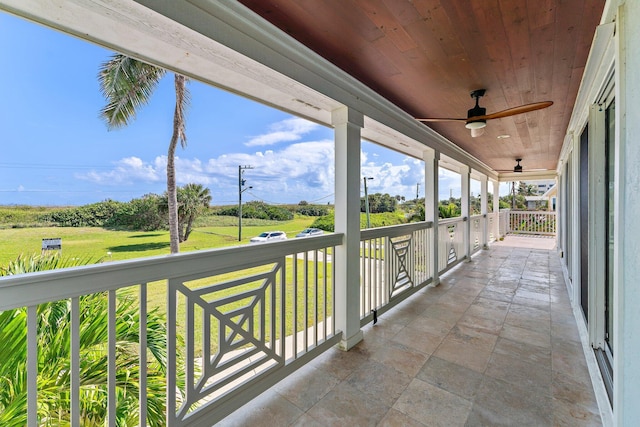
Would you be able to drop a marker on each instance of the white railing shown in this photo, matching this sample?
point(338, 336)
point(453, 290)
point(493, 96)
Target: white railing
point(476, 224)
point(237, 320)
point(532, 222)
point(492, 224)
point(450, 242)
point(394, 261)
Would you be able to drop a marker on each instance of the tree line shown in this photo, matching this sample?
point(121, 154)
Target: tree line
point(147, 213)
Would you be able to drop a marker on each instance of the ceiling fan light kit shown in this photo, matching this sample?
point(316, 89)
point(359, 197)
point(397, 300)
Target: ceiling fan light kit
point(477, 132)
point(476, 125)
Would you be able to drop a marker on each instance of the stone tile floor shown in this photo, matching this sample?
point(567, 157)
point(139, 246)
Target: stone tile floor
point(496, 344)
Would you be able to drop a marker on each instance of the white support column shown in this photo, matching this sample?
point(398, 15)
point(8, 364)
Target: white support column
point(465, 211)
point(483, 211)
point(348, 124)
point(496, 207)
point(431, 212)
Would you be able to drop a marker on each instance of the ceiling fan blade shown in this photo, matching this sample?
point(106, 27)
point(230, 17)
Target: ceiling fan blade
point(442, 120)
point(514, 111)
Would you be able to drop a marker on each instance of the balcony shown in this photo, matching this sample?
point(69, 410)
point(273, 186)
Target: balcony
point(495, 343)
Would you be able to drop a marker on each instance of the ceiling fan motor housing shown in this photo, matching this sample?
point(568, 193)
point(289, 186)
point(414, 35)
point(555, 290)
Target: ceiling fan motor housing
point(476, 111)
point(518, 167)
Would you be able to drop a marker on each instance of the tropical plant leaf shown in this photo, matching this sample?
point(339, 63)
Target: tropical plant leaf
point(127, 84)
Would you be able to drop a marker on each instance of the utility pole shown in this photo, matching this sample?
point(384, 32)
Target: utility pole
point(241, 183)
point(366, 200)
point(417, 191)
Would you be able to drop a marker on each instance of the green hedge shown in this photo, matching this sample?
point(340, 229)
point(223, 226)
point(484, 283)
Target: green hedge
point(327, 222)
point(258, 210)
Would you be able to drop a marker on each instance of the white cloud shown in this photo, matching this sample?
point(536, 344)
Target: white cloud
point(288, 130)
point(294, 172)
point(127, 171)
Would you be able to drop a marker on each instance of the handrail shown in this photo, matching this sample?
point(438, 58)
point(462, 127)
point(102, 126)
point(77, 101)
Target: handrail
point(442, 221)
point(394, 230)
point(41, 287)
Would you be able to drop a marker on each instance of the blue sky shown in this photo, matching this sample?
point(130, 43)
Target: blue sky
point(57, 151)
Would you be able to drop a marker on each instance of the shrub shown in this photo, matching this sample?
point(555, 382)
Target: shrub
point(93, 215)
point(312, 210)
point(142, 214)
point(326, 223)
point(258, 210)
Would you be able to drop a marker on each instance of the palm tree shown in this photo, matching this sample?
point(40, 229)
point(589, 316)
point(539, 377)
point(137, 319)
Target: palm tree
point(127, 84)
point(54, 321)
point(192, 200)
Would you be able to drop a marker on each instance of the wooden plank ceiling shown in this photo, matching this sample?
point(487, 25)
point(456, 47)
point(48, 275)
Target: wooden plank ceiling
point(427, 55)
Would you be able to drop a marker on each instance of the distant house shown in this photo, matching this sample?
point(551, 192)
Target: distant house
point(547, 201)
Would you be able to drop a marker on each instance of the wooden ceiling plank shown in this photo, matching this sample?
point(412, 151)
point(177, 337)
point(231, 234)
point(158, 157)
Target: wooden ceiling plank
point(404, 12)
point(382, 18)
point(542, 46)
point(541, 13)
point(436, 18)
point(565, 44)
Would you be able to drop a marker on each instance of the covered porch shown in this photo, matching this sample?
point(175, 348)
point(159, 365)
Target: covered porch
point(468, 331)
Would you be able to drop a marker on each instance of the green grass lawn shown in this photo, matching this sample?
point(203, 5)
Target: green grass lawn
point(211, 232)
point(97, 242)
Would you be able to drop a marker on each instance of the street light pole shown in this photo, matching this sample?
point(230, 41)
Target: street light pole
point(366, 200)
point(241, 183)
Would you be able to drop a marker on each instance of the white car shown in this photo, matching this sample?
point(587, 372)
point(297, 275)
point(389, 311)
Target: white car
point(308, 232)
point(269, 236)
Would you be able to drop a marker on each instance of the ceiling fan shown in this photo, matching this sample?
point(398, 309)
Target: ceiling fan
point(477, 116)
point(518, 168)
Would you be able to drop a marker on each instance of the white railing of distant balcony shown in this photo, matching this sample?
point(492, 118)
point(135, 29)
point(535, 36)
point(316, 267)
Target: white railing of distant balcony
point(450, 243)
point(477, 224)
point(492, 226)
point(394, 263)
point(238, 321)
point(532, 222)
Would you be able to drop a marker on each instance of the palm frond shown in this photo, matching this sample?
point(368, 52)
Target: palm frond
point(127, 84)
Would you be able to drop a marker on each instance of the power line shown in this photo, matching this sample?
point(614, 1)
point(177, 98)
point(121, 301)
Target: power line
point(285, 203)
point(51, 166)
point(68, 191)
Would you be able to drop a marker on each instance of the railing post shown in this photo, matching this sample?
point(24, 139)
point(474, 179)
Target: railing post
point(483, 210)
point(431, 212)
point(496, 208)
point(465, 211)
point(348, 124)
